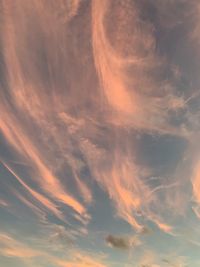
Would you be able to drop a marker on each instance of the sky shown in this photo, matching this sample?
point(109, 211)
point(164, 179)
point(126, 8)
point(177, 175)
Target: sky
point(99, 133)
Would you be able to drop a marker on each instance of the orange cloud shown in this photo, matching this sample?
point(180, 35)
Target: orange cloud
point(3, 203)
point(123, 181)
point(42, 199)
point(48, 182)
point(29, 99)
point(13, 248)
point(81, 260)
point(128, 97)
point(196, 182)
point(109, 64)
point(54, 120)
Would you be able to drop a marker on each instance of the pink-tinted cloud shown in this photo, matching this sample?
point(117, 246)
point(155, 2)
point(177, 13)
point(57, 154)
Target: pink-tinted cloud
point(61, 135)
point(48, 182)
point(196, 182)
point(3, 203)
point(128, 97)
point(81, 261)
point(40, 198)
point(13, 248)
point(196, 188)
point(73, 108)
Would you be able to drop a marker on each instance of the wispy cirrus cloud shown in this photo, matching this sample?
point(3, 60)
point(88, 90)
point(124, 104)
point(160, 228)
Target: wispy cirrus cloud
point(39, 197)
point(99, 101)
point(3, 203)
point(66, 141)
point(10, 247)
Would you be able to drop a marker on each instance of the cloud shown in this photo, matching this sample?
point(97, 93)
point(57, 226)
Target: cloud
point(10, 246)
point(84, 87)
point(123, 243)
point(196, 182)
point(81, 260)
point(13, 248)
point(117, 242)
point(131, 98)
point(38, 153)
point(179, 261)
point(60, 236)
point(3, 203)
point(39, 197)
point(49, 122)
point(61, 129)
point(148, 258)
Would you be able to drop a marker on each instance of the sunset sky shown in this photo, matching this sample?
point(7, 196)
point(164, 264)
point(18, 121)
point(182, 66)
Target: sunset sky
point(99, 133)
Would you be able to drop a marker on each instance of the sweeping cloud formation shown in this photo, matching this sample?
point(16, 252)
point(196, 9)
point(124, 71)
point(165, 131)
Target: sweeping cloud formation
point(99, 131)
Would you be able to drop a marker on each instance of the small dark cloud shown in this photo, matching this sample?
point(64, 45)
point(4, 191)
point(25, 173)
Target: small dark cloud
point(118, 242)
